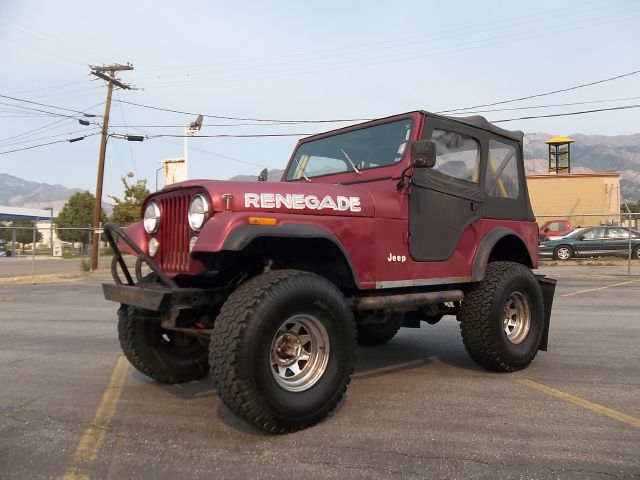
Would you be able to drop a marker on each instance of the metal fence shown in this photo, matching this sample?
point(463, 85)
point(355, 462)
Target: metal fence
point(21, 241)
point(11, 244)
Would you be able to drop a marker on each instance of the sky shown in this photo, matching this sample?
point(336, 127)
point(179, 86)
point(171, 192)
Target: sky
point(293, 61)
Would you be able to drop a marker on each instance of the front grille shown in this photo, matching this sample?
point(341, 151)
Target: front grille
point(173, 254)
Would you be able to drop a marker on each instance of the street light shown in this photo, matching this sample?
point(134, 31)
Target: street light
point(189, 131)
point(157, 170)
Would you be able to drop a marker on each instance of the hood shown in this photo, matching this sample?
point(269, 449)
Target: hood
point(283, 197)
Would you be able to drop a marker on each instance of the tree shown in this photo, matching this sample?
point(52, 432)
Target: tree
point(78, 213)
point(634, 207)
point(24, 231)
point(128, 210)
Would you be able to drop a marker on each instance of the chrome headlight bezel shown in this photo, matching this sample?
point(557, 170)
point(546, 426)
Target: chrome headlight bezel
point(151, 218)
point(198, 218)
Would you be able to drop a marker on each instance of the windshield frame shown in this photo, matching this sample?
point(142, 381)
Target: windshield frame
point(417, 121)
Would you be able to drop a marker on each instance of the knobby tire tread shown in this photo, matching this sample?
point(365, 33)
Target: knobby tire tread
point(479, 340)
point(233, 386)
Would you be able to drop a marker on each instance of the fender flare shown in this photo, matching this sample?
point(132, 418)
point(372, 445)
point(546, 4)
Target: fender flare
point(240, 237)
point(486, 247)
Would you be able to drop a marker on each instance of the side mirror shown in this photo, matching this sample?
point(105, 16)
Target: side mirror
point(423, 154)
point(546, 229)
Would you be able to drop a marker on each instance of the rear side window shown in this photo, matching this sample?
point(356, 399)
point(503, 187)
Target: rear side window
point(457, 155)
point(502, 173)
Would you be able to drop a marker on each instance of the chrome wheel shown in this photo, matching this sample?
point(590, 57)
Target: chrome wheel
point(299, 353)
point(563, 253)
point(516, 319)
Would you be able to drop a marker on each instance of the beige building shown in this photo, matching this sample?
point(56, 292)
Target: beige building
point(586, 199)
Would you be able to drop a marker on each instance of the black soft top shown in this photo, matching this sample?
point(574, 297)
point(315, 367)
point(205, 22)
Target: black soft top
point(478, 121)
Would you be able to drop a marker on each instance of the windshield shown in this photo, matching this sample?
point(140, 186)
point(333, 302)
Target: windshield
point(377, 146)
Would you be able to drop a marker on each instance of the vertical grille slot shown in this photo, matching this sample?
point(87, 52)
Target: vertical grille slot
point(174, 232)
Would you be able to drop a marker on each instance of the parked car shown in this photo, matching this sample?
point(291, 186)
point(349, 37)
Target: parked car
point(554, 228)
point(592, 242)
point(557, 237)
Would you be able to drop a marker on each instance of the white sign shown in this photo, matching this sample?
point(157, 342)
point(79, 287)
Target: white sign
point(298, 201)
point(57, 249)
point(174, 171)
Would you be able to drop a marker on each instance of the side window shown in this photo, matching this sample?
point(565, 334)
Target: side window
point(502, 173)
point(594, 234)
point(457, 155)
point(618, 233)
point(555, 226)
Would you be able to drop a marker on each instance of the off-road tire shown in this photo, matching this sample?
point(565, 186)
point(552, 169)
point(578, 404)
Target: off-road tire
point(242, 349)
point(557, 252)
point(483, 311)
point(163, 355)
point(379, 333)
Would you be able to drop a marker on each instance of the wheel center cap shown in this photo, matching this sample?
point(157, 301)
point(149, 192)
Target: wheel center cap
point(288, 348)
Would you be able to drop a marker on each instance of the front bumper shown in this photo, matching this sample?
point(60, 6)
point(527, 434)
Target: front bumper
point(158, 293)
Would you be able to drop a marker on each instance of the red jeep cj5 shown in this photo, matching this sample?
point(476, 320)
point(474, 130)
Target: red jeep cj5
point(373, 227)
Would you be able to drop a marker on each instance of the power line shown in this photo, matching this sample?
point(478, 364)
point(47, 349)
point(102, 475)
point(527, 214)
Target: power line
point(531, 107)
point(50, 106)
point(373, 49)
point(251, 135)
point(46, 127)
point(124, 120)
point(46, 138)
point(403, 56)
point(70, 140)
point(575, 87)
point(266, 124)
point(626, 107)
point(240, 118)
point(53, 114)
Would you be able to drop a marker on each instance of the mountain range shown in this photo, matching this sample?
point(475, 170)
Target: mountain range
point(589, 153)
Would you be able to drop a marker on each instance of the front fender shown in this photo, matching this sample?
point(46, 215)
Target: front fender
point(136, 233)
point(232, 232)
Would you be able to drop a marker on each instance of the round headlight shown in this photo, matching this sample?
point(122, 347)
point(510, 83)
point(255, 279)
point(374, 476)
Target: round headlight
point(198, 211)
point(153, 247)
point(151, 218)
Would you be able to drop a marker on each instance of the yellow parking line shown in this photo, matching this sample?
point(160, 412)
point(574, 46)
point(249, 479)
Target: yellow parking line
point(581, 402)
point(94, 435)
point(598, 288)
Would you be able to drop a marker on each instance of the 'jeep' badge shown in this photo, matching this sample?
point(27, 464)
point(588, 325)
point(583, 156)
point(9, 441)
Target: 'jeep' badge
point(396, 258)
point(298, 201)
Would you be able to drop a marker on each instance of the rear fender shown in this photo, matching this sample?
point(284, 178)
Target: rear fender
point(488, 244)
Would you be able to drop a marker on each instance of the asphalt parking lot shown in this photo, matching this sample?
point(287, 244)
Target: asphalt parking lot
point(71, 407)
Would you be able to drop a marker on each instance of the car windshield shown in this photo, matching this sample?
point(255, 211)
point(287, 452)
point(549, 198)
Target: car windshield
point(377, 146)
point(576, 233)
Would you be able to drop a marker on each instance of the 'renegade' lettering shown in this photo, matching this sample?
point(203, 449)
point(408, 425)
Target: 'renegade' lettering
point(297, 201)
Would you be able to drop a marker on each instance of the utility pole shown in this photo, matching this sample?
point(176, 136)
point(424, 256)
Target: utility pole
point(107, 73)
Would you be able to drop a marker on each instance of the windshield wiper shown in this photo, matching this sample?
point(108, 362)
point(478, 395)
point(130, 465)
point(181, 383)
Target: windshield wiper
point(353, 165)
point(301, 170)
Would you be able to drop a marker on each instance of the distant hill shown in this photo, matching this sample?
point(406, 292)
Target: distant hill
point(592, 153)
point(589, 153)
point(16, 192)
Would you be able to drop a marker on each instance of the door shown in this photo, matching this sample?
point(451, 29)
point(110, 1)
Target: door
point(592, 242)
point(445, 199)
